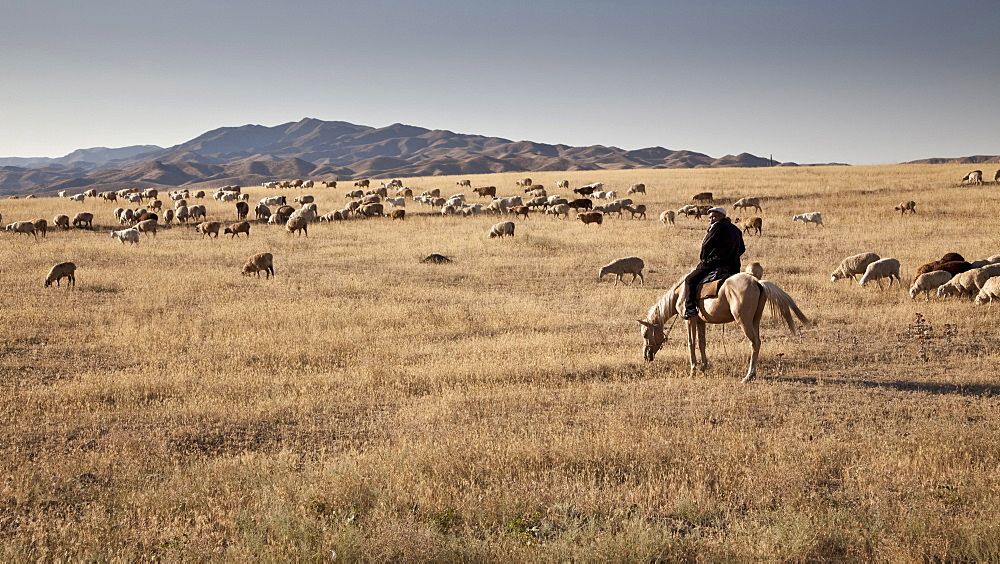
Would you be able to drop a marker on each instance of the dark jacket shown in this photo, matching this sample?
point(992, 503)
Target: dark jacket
point(722, 247)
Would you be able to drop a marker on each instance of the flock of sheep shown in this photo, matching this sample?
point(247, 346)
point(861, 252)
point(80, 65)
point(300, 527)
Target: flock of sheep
point(950, 276)
point(954, 277)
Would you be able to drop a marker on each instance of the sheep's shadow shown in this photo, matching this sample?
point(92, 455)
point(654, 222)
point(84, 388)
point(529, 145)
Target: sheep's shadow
point(969, 390)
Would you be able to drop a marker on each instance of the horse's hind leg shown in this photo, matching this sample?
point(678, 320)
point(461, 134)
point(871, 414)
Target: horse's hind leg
point(753, 334)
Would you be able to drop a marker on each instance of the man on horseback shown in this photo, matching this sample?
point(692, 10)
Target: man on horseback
point(721, 250)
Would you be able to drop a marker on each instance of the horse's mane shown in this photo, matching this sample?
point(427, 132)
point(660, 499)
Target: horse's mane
point(665, 307)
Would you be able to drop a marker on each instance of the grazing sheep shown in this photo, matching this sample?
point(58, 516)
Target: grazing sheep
point(951, 266)
point(927, 282)
point(41, 226)
point(168, 216)
point(62, 270)
point(591, 217)
point(559, 210)
point(974, 177)
point(639, 210)
point(464, 183)
point(637, 189)
point(242, 210)
point(236, 228)
point(581, 203)
point(811, 217)
point(962, 284)
point(744, 203)
point(435, 258)
point(882, 268)
point(78, 197)
point(754, 269)
point(130, 235)
point(502, 229)
point(258, 262)
point(300, 225)
point(398, 213)
point(990, 291)
point(304, 199)
point(703, 197)
point(197, 212)
point(363, 183)
point(209, 228)
point(83, 218)
point(370, 210)
point(61, 220)
point(622, 266)
point(146, 226)
point(853, 265)
point(523, 182)
point(25, 227)
point(667, 217)
point(751, 223)
point(904, 207)
point(520, 210)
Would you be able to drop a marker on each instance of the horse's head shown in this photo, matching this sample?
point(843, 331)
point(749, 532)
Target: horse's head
point(652, 334)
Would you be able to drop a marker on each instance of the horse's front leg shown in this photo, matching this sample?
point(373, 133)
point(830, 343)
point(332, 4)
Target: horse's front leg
point(692, 336)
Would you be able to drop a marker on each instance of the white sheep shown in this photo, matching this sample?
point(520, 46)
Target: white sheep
point(622, 266)
point(130, 235)
point(928, 281)
point(77, 197)
point(667, 217)
point(990, 291)
point(754, 269)
point(882, 268)
point(502, 229)
point(745, 203)
point(25, 227)
point(853, 265)
point(62, 270)
point(811, 217)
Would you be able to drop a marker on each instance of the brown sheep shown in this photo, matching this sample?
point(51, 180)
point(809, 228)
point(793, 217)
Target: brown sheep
point(237, 228)
point(703, 197)
point(486, 191)
point(751, 223)
point(62, 270)
point(520, 210)
point(904, 207)
point(242, 209)
point(41, 226)
point(954, 267)
point(61, 220)
point(83, 219)
point(398, 214)
point(297, 224)
point(638, 210)
point(209, 228)
point(258, 262)
point(591, 217)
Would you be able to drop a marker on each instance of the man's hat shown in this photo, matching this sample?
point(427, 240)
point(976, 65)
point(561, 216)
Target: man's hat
point(718, 209)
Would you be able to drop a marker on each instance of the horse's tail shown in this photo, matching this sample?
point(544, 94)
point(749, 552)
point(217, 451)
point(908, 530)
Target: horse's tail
point(782, 305)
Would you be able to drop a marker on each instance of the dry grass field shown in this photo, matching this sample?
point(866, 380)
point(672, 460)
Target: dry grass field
point(363, 406)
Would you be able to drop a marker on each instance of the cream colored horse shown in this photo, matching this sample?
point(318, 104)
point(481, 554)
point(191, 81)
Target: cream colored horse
point(741, 299)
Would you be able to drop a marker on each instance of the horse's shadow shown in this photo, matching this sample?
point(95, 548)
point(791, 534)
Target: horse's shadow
point(969, 390)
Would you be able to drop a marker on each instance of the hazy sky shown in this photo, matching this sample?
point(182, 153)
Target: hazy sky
point(806, 81)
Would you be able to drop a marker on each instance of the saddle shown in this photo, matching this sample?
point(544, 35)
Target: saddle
point(709, 289)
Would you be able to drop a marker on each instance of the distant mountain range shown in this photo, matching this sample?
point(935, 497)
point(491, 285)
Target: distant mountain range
point(328, 150)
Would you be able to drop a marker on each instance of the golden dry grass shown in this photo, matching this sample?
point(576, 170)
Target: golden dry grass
point(497, 408)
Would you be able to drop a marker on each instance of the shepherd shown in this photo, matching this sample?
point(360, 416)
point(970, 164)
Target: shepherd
point(721, 250)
